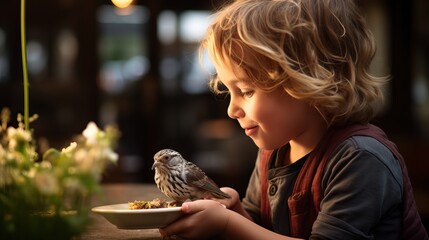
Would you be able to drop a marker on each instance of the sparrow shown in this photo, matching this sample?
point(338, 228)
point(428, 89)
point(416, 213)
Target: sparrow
point(182, 180)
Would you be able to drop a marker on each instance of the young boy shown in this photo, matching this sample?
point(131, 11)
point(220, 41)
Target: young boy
point(297, 75)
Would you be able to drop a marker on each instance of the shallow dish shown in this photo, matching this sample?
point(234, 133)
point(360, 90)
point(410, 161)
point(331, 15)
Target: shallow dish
point(123, 217)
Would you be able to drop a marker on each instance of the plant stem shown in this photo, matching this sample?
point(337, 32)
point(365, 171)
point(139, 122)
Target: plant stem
point(24, 66)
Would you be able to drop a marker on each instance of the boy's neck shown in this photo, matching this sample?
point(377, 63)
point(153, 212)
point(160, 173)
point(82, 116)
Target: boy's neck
point(305, 142)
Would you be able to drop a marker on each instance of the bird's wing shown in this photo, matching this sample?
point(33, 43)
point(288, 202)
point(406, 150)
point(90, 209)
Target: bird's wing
point(197, 178)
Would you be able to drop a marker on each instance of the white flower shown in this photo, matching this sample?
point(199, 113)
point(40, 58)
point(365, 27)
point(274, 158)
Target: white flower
point(84, 160)
point(32, 172)
point(69, 149)
point(111, 155)
point(46, 183)
point(90, 133)
point(72, 184)
point(58, 176)
point(15, 156)
point(16, 135)
point(45, 165)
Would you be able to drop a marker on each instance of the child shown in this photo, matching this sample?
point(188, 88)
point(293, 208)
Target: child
point(296, 72)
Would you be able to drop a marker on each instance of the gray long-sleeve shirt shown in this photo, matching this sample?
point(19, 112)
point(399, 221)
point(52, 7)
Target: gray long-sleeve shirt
point(362, 187)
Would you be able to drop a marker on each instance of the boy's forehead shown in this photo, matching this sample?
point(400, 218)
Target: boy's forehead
point(229, 71)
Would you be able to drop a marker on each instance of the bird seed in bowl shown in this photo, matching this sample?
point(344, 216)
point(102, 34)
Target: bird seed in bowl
point(155, 203)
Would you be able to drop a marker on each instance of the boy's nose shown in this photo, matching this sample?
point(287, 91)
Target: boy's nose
point(234, 111)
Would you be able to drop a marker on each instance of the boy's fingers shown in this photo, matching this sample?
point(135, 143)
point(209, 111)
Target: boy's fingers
point(192, 207)
point(199, 205)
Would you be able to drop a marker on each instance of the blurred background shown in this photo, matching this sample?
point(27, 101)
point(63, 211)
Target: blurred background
point(137, 66)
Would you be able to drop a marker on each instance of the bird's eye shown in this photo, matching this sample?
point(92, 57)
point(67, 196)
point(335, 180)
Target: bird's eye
point(166, 157)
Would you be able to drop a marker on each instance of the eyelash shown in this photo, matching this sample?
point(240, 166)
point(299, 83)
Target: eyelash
point(225, 91)
point(247, 93)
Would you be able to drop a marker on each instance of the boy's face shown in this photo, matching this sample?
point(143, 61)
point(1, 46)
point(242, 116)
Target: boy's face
point(271, 119)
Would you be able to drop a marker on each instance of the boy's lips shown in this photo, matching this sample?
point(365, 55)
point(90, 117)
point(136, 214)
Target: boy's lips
point(250, 130)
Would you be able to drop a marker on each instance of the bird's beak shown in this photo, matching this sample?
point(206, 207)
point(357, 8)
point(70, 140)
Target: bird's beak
point(155, 164)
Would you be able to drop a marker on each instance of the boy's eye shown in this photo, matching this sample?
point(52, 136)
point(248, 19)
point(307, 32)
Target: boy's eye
point(247, 93)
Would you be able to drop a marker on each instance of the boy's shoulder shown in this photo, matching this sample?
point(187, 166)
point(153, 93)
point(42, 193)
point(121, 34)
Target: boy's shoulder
point(358, 148)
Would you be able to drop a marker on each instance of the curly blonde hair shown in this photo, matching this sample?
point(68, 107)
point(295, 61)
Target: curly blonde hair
point(319, 51)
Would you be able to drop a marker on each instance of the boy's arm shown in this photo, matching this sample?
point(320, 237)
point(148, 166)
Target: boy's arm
point(207, 218)
point(238, 228)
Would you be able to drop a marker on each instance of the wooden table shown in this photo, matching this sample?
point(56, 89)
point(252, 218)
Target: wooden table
point(100, 228)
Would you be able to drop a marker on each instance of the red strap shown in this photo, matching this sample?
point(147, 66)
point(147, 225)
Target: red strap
point(264, 160)
point(314, 165)
point(304, 203)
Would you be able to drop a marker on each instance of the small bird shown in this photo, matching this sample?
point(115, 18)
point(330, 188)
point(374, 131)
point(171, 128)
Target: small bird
point(182, 180)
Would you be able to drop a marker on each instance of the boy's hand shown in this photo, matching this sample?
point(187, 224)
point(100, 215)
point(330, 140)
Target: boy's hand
point(203, 219)
point(233, 203)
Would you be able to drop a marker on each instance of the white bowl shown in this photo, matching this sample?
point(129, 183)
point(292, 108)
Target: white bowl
point(123, 217)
